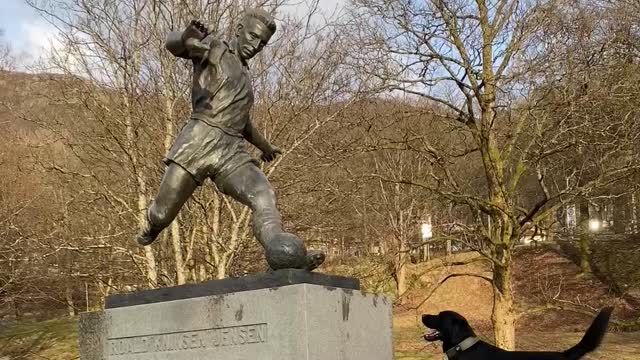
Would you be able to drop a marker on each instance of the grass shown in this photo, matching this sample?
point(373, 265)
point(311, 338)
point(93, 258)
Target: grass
point(52, 339)
point(409, 346)
point(58, 340)
point(615, 346)
point(618, 346)
point(415, 356)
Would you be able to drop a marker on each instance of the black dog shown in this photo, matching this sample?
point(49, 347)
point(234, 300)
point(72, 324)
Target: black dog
point(459, 342)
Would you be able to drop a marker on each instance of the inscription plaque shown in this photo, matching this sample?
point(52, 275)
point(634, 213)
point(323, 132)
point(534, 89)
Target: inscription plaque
point(189, 340)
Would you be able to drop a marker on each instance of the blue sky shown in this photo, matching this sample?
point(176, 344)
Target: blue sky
point(24, 29)
point(31, 36)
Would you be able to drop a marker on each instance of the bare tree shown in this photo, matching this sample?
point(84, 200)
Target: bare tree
point(472, 62)
point(401, 207)
point(7, 60)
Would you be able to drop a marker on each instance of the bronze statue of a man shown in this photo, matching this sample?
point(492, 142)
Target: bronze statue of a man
point(212, 143)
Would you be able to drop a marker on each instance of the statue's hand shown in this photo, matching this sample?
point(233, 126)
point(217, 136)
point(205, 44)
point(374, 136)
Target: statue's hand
point(194, 44)
point(271, 154)
point(195, 30)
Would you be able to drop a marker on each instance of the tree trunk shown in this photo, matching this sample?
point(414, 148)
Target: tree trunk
point(401, 268)
point(402, 279)
point(86, 296)
point(176, 242)
point(208, 257)
point(500, 227)
point(127, 80)
point(223, 255)
point(221, 270)
point(104, 291)
point(202, 271)
point(176, 238)
point(503, 316)
point(551, 227)
point(584, 240)
point(152, 270)
point(425, 252)
point(71, 309)
point(634, 213)
point(585, 253)
point(620, 214)
point(17, 312)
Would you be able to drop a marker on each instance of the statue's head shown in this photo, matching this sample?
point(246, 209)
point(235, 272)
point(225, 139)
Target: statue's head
point(254, 32)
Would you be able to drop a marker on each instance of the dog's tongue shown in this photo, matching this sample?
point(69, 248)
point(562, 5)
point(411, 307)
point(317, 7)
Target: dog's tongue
point(431, 336)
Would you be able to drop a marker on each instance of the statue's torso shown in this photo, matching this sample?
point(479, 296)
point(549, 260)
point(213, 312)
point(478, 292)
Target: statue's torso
point(222, 93)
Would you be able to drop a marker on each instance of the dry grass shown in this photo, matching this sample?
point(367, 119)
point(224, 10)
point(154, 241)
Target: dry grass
point(616, 346)
point(57, 340)
point(52, 339)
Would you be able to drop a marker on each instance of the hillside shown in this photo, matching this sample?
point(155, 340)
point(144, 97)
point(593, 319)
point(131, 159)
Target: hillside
point(29, 98)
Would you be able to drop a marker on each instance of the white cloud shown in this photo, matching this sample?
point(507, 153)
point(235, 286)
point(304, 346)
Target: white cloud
point(325, 7)
point(39, 39)
point(29, 35)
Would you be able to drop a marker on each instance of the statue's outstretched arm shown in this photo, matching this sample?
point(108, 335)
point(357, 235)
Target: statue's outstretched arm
point(188, 44)
point(252, 135)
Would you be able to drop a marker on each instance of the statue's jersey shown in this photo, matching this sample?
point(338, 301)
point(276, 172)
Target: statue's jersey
point(211, 145)
point(222, 93)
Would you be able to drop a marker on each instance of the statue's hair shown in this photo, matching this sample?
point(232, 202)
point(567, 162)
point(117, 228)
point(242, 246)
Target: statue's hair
point(263, 16)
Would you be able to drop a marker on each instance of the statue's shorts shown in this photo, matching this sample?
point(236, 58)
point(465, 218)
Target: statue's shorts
point(206, 151)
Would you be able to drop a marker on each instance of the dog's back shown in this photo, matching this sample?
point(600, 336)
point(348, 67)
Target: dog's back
point(449, 325)
point(590, 342)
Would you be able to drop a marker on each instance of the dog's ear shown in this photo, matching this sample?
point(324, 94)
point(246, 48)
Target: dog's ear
point(429, 321)
point(455, 325)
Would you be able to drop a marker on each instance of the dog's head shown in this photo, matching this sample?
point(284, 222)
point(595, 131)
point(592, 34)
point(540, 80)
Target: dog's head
point(448, 327)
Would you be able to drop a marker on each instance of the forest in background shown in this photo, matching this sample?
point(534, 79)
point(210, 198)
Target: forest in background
point(486, 119)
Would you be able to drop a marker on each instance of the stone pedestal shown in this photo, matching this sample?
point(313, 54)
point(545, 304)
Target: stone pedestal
point(286, 315)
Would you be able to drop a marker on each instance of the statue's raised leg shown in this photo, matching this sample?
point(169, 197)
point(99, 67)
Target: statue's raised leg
point(175, 189)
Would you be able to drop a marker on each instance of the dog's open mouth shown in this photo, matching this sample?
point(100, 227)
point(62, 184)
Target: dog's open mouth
point(432, 336)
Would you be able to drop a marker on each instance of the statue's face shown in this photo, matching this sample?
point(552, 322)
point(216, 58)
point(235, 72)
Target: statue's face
point(252, 36)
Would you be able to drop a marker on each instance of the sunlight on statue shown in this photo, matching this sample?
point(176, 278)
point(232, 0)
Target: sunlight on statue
point(212, 143)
